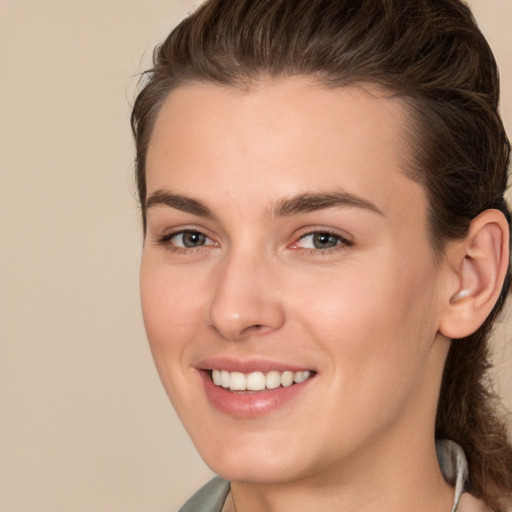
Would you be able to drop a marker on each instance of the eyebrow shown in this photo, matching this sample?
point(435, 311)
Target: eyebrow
point(302, 203)
point(179, 202)
point(309, 202)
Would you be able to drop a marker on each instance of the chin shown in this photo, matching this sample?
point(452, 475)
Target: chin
point(256, 471)
point(258, 461)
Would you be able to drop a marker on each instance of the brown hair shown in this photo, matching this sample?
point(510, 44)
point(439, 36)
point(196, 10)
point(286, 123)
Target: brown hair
point(431, 54)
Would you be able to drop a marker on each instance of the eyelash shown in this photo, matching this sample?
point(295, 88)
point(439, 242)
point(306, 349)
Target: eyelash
point(341, 242)
point(165, 240)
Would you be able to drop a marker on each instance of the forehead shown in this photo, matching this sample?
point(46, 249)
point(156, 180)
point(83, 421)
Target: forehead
point(279, 138)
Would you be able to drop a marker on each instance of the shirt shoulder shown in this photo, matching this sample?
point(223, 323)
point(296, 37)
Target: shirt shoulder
point(210, 498)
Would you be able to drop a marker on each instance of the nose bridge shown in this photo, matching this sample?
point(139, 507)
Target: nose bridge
point(245, 298)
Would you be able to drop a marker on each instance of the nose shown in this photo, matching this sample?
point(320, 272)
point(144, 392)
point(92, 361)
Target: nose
point(246, 299)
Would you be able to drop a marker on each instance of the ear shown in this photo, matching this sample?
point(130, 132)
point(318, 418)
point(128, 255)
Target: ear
point(477, 265)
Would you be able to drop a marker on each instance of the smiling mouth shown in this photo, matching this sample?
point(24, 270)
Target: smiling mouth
point(258, 381)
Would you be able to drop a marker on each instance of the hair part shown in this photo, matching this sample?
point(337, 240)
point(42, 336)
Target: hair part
point(431, 54)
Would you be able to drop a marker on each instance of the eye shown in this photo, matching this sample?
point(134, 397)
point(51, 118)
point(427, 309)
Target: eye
point(186, 239)
point(321, 240)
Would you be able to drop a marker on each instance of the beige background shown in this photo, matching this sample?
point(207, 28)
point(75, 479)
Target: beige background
point(84, 423)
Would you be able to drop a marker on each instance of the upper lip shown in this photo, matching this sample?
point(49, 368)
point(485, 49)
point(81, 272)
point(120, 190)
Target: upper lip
point(248, 365)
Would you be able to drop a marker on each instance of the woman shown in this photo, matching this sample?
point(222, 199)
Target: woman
point(326, 250)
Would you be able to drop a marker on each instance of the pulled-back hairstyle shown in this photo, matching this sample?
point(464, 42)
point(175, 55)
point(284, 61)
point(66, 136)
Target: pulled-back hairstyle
point(431, 54)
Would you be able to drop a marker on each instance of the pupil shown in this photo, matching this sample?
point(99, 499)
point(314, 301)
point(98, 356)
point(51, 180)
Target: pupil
point(193, 238)
point(324, 240)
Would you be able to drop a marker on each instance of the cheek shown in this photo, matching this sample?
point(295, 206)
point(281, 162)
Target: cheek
point(376, 333)
point(370, 319)
point(172, 315)
point(170, 309)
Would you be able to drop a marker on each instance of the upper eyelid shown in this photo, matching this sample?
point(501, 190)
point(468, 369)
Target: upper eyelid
point(310, 230)
point(175, 232)
point(165, 241)
point(345, 242)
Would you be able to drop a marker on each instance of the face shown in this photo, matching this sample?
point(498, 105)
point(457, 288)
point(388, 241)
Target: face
point(288, 287)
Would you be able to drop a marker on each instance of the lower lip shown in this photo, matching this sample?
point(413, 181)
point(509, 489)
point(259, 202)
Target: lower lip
point(250, 404)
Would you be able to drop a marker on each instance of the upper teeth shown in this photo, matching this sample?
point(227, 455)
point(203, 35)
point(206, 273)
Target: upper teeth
point(257, 381)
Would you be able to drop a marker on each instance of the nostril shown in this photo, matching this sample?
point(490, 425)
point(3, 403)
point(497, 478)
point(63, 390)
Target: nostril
point(253, 328)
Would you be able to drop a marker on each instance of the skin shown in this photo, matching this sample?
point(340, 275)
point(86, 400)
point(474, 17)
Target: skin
point(363, 314)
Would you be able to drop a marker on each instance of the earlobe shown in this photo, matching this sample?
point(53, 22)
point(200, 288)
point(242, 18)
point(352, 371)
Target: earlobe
point(479, 265)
